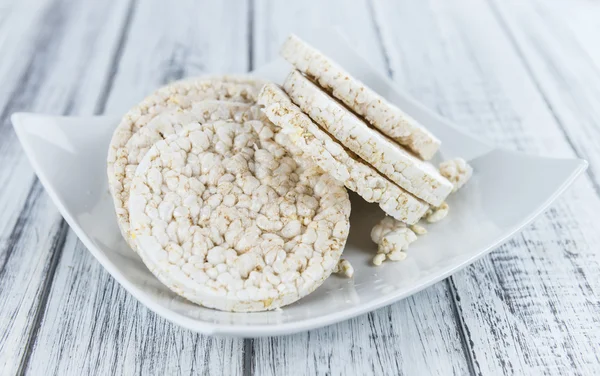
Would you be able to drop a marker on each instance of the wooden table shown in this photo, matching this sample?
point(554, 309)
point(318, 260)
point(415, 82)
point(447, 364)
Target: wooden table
point(524, 75)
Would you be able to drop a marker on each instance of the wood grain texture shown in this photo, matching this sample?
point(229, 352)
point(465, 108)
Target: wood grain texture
point(274, 21)
point(401, 339)
point(102, 330)
point(17, 90)
point(559, 44)
point(412, 337)
point(167, 43)
point(48, 80)
point(531, 307)
point(86, 305)
point(32, 253)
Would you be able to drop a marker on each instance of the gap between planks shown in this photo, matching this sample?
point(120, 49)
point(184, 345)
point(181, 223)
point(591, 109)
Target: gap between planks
point(118, 53)
point(251, 343)
point(457, 313)
point(132, 339)
point(29, 220)
point(36, 191)
point(501, 18)
point(373, 343)
point(501, 310)
point(57, 248)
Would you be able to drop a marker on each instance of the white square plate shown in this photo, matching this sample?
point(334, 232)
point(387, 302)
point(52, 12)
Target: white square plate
point(508, 190)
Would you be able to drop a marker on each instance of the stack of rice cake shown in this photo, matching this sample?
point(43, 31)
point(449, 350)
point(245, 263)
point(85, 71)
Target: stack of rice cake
point(355, 135)
point(240, 209)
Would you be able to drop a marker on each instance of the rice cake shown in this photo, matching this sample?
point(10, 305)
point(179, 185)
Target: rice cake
point(420, 178)
point(226, 218)
point(387, 118)
point(178, 97)
point(342, 164)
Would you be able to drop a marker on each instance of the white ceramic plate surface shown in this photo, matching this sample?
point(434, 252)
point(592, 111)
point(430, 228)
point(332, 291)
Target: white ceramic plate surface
point(507, 191)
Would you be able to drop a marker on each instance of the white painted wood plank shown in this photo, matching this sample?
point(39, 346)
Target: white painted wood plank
point(561, 46)
point(415, 336)
point(531, 307)
point(103, 330)
point(273, 21)
point(19, 36)
point(45, 78)
point(85, 305)
point(499, 137)
point(167, 43)
point(419, 334)
point(28, 266)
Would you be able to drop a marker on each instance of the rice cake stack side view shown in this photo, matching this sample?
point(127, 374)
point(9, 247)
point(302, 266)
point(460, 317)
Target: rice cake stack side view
point(347, 127)
point(381, 114)
point(418, 177)
point(334, 159)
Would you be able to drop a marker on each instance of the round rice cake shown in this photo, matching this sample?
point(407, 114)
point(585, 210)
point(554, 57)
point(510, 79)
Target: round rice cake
point(415, 176)
point(226, 218)
point(199, 99)
point(334, 159)
point(168, 123)
point(389, 119)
